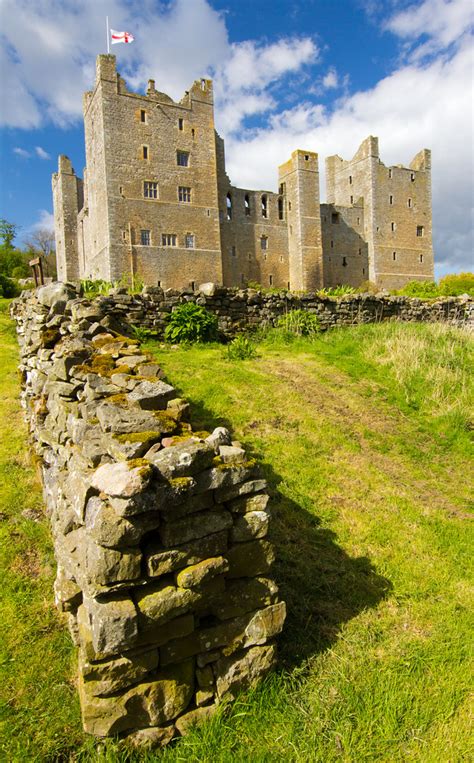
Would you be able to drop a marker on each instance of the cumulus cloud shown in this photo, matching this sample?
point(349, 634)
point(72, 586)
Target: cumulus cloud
point(330, 80)
point(45, 221)
point(444, 22)
point(42, 153)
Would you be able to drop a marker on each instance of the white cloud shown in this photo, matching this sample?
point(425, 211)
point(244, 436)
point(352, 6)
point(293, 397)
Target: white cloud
point(21, 152)
point(330, 80)
point(45, 221)
point(444, 22)
point(42, 153)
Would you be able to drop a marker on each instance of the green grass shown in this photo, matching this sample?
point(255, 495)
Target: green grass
point(364, 436)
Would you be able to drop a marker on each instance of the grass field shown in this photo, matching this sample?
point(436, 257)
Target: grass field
point(364, 435)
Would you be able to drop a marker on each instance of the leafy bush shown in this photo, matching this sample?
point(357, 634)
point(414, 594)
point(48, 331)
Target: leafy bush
point(367, 287)
point(299, 323)
point(140, 333)
point(336, 291)
point(191, 323)
point(457, 283)
point(8, 287)
point(91, 289)
point(241, 348)
point(421, 289)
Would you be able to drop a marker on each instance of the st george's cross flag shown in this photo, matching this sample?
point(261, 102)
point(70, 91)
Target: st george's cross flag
point(120, 36)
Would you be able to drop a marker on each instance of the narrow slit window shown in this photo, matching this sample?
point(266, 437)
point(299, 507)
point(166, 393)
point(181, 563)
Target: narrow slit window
point(350, 179)
point(143, 116)
point(180, 124)
point(289, 206)
point(193, 133)
point(409, 203)
point(145, 152)
point(421, 258)
point(264, 206)
point(344, 262)
point(412, 177)
point(270, 280)
point(420, 231)
point(228, 202)
point(391, 199)
point(247, 205)
point(264, 243)
point(335, 218)
point(393, 226)
point(332, 244)
point(280, 208)
point(394, 256)
point(352, 199)
point(390, 173)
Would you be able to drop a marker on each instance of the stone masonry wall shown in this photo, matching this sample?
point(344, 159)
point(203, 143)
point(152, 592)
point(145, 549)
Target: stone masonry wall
point(159, 531)
point(245, 309)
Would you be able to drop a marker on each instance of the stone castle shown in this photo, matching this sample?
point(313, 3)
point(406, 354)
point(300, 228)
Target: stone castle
point(156, 202)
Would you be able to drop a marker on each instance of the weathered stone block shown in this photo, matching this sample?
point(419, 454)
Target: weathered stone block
point(152, 395)
point(122, 480)
point(253, 524)
point(162, 603)
point(113, 624)
point(162, 561)
point(194, 526)
point(189, 458)
point(112, 676)
point(197, 574)
point(245, 595)
point(231, 455)
point(250, 559)
point(108, 528)
point(239, 672)
point(199, 715)
point(236, 491)
point(122, 420)
point(104, 566)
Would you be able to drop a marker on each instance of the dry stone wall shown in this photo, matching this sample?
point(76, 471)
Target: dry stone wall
point(160, 532)
point(244, 309)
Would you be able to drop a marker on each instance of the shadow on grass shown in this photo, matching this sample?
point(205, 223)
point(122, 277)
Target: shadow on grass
point(322, 585)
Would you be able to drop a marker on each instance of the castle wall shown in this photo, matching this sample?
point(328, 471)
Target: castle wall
point(345, 250)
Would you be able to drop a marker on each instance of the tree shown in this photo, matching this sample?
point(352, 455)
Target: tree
point(42, 242)
point(7, 233)
point(10, 258)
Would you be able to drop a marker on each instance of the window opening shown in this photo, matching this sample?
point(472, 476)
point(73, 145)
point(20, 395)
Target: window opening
point(270, 280)
point(358, 221)
point(335, 217)
point(344, 262)
point(409, 202)
point(233, 251)
point(228, 202)
point(150, 189)
point(412, 177)
point(393, 226)
point(352, 199)
point(193, 284)
point(332, 244)
point(421, 258)
point(180, 123)
point(189, 241)
point(289, 206)
point(391, 199)
point(394, 256)
point(145, 239)
point(168, 239)
point(264, 206)
point(121, 190)
point(145, 152)
point(193, 132)
point(247, 205)
point(350, 179)
point(280, 208)
point(142, 115)
point(264, 243)
point(390, 173)
point(420, 231)
point(184, 193)
point(159, 283)
point(182, 158)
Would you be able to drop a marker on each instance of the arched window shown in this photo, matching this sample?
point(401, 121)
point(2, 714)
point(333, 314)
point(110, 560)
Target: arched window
point(247, 205)
point(229, 206)
point(264, 206)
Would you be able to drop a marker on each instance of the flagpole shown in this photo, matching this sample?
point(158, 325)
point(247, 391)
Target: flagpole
point(108, 34)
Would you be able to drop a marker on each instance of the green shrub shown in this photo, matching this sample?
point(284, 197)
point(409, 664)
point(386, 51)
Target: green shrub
point(8, 287)
point(336, 291)
point(367, 287)
point(191, 323)
point(299, 323)
point(421, 289)
point(457, 283)
point(91, 289)
point(140, 333)
point(241, 348)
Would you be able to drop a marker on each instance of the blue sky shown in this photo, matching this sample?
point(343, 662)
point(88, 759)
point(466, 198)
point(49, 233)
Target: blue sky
point(319, 74)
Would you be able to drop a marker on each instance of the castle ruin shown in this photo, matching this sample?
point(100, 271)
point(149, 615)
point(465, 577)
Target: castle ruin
point(156, 202)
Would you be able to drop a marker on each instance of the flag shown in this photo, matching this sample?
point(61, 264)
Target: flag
point(120, 36)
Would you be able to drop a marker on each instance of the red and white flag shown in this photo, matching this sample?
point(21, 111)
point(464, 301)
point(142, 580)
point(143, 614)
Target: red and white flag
point(120, 36)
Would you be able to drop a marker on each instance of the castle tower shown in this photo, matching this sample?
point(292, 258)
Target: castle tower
point(299, 182)
point(67, 201)
point(151, 183)
point(397, 211)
